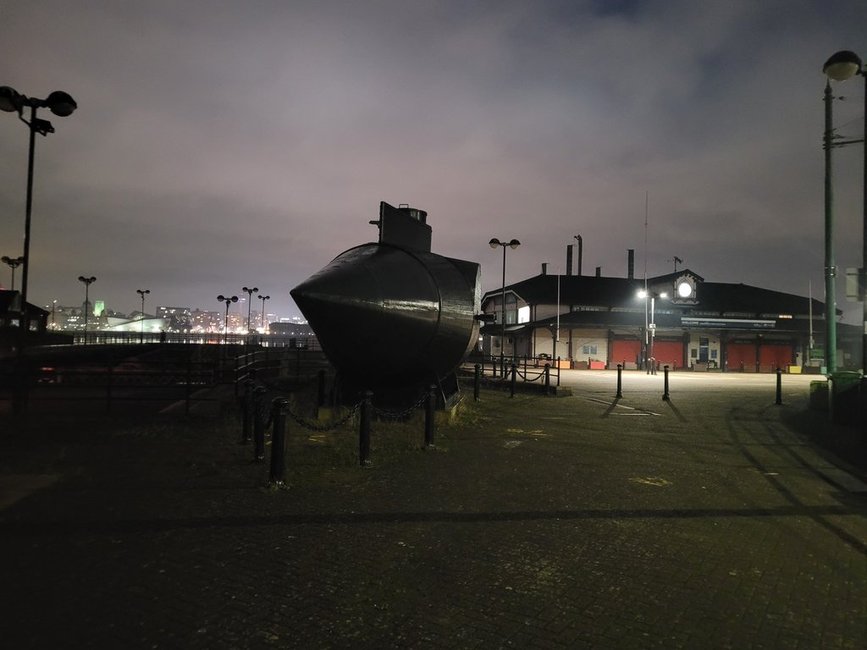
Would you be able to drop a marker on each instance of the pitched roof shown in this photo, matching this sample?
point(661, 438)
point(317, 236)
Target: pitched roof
point(713, 297)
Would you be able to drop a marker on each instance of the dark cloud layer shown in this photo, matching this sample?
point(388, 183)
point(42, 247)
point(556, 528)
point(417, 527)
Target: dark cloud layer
point(222, 144)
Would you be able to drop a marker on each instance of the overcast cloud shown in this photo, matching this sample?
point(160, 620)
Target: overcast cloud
point(222, 144)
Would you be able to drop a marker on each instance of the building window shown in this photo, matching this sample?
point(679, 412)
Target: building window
point(589, 349)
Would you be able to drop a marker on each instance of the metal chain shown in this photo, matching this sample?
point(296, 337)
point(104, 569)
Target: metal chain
point(307, 424)
point(400, 415)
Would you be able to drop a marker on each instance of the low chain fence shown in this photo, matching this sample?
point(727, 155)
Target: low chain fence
point(265, 408)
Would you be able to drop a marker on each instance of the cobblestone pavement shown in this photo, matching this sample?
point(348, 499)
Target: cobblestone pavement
point(709, 521)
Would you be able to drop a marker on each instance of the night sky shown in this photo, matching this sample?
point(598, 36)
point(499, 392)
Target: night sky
point(223, 144)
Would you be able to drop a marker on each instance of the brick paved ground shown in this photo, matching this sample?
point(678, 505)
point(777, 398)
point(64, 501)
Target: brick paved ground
point(709, 522)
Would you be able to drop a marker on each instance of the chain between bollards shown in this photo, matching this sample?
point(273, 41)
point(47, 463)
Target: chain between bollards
point(619, 381)
point(280, 407)
point(779, 387)
point(665, 396)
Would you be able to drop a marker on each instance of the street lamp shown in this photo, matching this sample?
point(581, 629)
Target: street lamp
point(87, 282)
point(841, 66)
point(13, 263)
point(511, 244)
point(249, 293)
point(142, 293)
point(650, 329)
point(62, 105)
point(228, 300)
point(263, 299)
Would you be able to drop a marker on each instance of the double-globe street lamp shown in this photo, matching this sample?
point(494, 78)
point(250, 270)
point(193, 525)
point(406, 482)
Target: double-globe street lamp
point(510, 244)
point(228, 300)
point(249, 293)
point(650, 327)
point(142, 293)
point(841, 66)
point(62, 105)
point(263, 299)
point(87, 282)
point(13, 263)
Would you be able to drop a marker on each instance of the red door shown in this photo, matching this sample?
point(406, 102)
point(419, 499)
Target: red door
point(624, 352)
point(741, 356)
point(775, 355)
point(668, 353)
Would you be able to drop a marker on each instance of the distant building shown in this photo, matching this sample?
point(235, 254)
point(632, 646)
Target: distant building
point(684, 322)
point(178, 319)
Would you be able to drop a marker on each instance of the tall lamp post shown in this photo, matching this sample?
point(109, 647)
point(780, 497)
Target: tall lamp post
point(650, 330)
point(263, 299)
point(510, 244)
point(228, 300)
point(249, 293)
point(13, 263)
point(62, 105)
point(142, 293)
point(87, 282)
point(841, 66)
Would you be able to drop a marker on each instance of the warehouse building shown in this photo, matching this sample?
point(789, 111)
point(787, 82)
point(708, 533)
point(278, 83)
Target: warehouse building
point(677, 319)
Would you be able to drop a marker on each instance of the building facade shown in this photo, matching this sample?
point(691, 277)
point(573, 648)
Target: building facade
point(678, 319)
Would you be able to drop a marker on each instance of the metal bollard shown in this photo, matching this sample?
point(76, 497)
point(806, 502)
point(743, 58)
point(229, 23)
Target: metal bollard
point(619, 381)
point(259, 424)
point(779, 387)
point(279, 407)
point(514, 379)
point(364, 429)
point(477, 380)
point(429, 412)
point(665, 396)
point(547, 379)
point(558, 371)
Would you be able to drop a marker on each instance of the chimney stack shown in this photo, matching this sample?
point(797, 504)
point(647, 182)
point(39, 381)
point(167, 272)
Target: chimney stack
point(544, 268)
point(598, 271)
point(630, 264)
point(569, 260)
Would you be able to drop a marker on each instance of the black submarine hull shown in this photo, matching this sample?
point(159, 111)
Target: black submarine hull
point(389, 316)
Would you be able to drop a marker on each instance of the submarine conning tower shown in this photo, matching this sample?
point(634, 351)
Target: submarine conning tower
point(392, 315)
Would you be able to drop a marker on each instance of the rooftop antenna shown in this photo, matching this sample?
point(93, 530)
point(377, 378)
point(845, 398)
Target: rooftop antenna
point(646, 202)
point(676, 261)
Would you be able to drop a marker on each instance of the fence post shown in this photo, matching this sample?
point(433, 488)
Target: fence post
point(278, 441)
point(429, 408)
point(779, 387)
point(364, 429)
point(619, 381)
point(547, 378)
point(259, 424)
point(514, 379)
point(247, 412)
point(189, 390)
point(665, 395)
point(477, 380)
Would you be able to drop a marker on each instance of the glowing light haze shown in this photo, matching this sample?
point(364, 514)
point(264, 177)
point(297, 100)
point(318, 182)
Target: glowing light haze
point(223, 144)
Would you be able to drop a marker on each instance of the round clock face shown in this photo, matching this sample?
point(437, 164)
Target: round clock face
point(684, 289)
